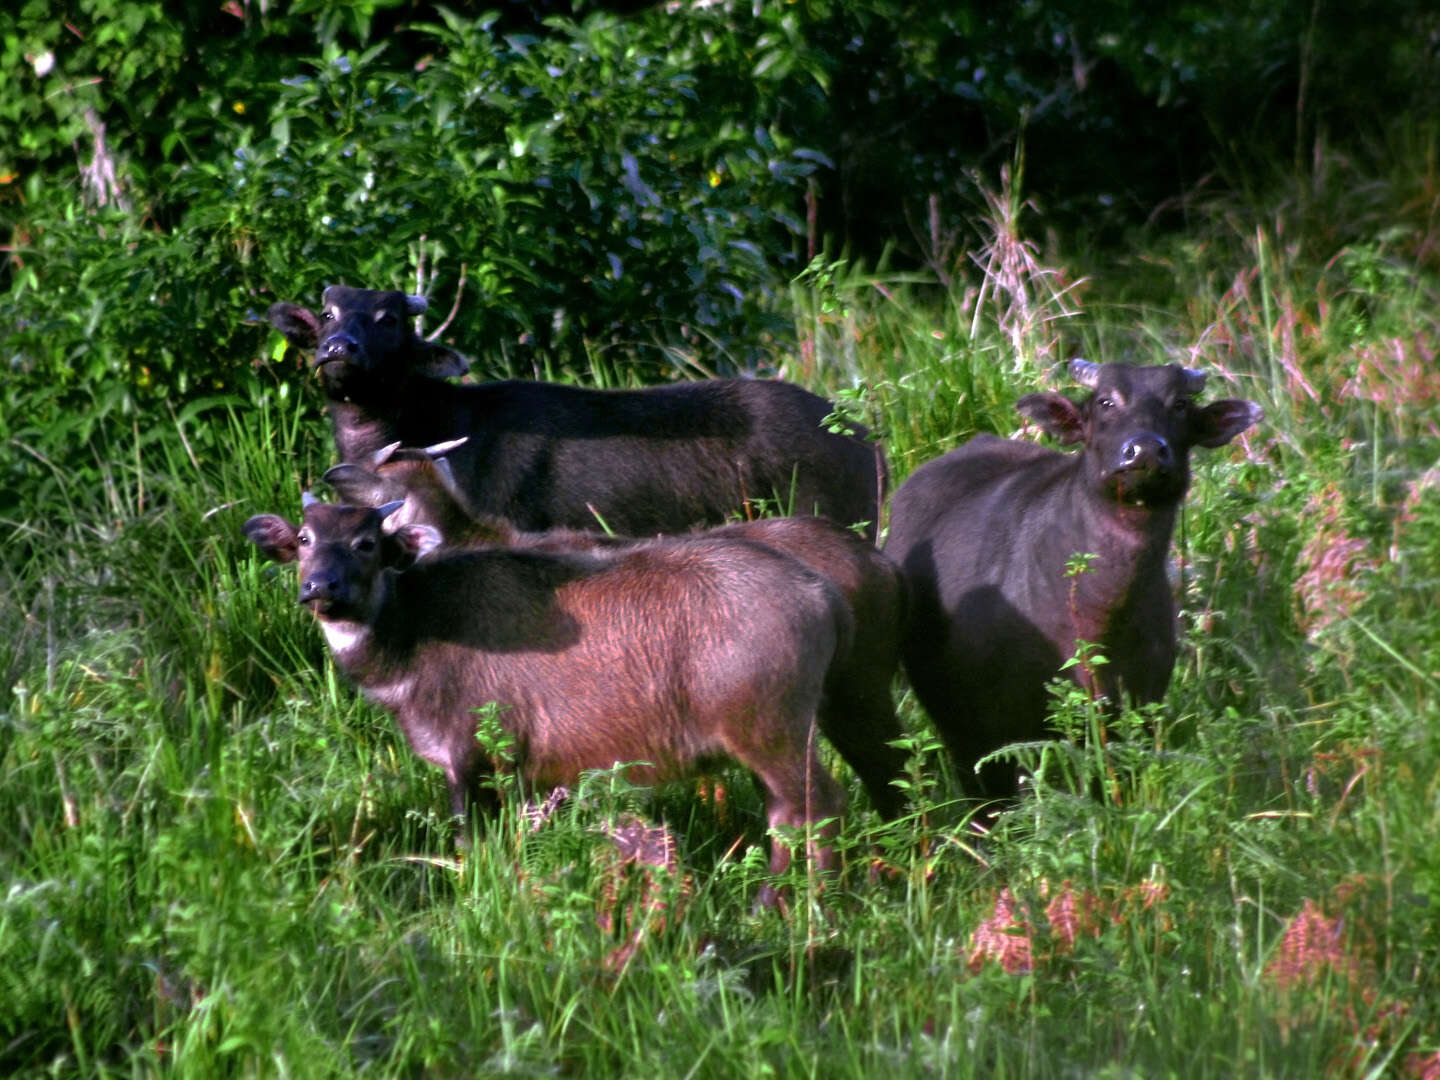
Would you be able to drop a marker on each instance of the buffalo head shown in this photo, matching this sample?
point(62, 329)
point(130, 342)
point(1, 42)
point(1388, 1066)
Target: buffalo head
point(365, 335)
point(1138, 426)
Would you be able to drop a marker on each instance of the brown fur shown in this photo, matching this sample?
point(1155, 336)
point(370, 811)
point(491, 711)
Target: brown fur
point(669, 655)
point(858, 714)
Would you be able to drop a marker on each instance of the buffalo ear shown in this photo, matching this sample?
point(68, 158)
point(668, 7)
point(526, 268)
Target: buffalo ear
point(439, 362)
point(356, 485)
point(274, 536)
point(1056, 414)
point(300, 325)
point(408, 544)
point(1220, 421)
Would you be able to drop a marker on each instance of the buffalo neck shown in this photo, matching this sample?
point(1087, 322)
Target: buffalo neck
point(1130, 545)
point(367, 648)
point(477, 602)
point(369, 416)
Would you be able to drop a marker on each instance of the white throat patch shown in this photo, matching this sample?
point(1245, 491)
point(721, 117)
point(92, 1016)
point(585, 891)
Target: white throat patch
point(342, 635)
point(391, 695)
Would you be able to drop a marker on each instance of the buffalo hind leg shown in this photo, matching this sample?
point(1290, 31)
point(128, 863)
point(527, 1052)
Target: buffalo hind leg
point(862, 728)
point(798, 794)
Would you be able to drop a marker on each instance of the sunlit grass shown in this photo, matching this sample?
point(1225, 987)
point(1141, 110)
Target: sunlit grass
point(218, 859)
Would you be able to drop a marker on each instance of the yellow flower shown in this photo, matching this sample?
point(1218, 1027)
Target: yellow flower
point(239, 107)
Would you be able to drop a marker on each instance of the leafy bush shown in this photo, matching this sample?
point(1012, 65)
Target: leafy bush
point(618, 192)
point(573, 178)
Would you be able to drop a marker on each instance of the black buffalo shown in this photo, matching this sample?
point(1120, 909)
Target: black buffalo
point(661, 459)
point(985, 533)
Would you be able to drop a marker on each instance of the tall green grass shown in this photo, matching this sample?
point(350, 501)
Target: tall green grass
point(218, 860)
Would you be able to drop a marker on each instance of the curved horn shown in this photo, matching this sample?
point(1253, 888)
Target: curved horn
point(383, 454)
point(440, 449)
point(389, 508)
point(415, 305)
point(1194, 381)
point(447, 478)
point(307, 500)
point(347, 471)
point(1085, 372)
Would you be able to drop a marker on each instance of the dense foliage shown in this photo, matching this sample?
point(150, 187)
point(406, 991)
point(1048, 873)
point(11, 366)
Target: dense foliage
point(217, 858)
point(633, 190)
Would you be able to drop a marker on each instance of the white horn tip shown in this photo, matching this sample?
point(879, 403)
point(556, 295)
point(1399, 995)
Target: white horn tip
point(442, 448)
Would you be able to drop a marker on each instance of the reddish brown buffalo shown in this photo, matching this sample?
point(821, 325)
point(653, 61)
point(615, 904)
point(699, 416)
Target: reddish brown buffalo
point(671, 656)
point(858, 713)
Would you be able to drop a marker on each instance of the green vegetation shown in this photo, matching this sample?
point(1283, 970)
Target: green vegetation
point(218, 860)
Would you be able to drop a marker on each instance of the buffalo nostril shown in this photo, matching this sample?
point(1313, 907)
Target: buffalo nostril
point(317, 588)
point(1147, 448)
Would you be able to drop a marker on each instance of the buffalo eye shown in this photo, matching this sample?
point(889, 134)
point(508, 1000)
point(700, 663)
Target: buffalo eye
point(1106, 402)
point(304, 539)
point(387, 318)
point(1180, 407)
point(365, 545)
point(327, 315)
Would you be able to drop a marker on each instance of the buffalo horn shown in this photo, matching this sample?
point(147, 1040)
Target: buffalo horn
point(440, 449)
point(1085, 372)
